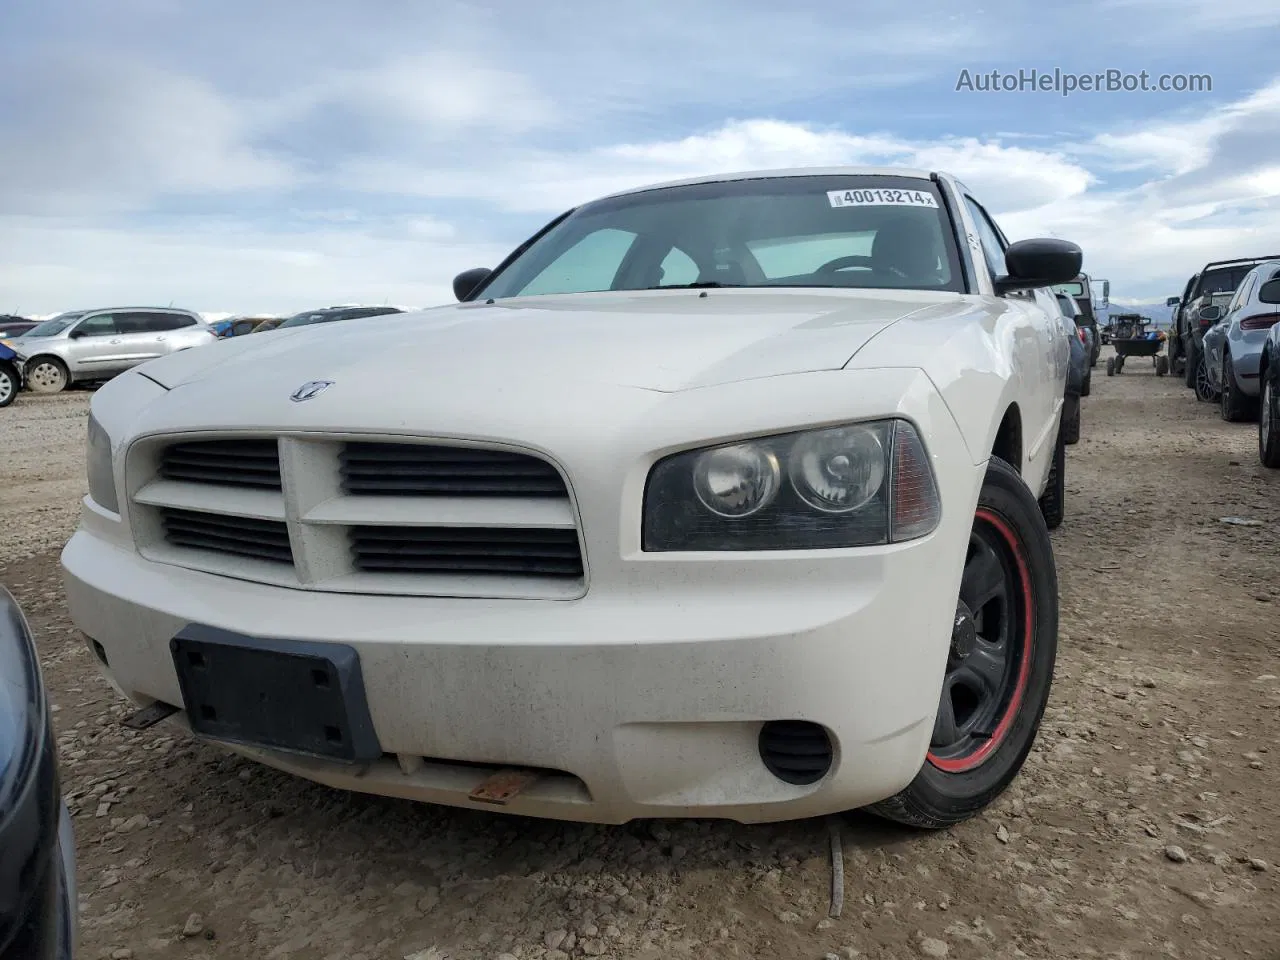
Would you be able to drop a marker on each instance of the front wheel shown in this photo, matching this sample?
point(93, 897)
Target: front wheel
point(1111, 366)
point(8, 384)
point(1086, 387)
point(999, 670)
point(47, 375)
point(1162, 366)
point(1269, 423)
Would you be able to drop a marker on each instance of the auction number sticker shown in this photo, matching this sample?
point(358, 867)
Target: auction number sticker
point(881, 198)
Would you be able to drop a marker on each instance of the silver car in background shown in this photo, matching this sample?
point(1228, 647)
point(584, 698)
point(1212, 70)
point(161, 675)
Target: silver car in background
point(1233, 345)
point(98, 344)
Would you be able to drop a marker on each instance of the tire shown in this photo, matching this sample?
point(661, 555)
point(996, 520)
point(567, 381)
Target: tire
point(47, 375)
point(1087, 386)
point(1162, 366)
point(1234, 405)
point(9, 384)
point(960, 779)
point(1204, 389)
point(1192, 364)
point(1111, 366)
point(1071, 425)
point(1269, 422)
point(1053, 501)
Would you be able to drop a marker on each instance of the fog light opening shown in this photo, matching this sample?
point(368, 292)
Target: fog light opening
point(796, 751)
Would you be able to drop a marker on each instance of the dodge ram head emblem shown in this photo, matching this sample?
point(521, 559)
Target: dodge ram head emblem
point(310, 390)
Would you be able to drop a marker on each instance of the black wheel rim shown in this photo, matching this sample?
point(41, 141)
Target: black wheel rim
point(1203, 390)
point(989, 659)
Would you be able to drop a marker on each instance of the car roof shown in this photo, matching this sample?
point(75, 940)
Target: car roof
point(908, 172)
point(161, 309)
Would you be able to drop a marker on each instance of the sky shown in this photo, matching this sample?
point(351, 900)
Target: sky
point(244, 157)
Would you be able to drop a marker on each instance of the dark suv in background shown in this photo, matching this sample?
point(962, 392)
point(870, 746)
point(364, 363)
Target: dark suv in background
point(1214, 285)
point(1081, 291)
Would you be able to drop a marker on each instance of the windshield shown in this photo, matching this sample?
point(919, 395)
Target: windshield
point(54, 325)
point(1069, 289)
point(814, 231)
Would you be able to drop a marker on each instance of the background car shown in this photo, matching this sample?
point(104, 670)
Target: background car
point(1269, 388)
point(11, 326)
point(1233, 345)
point(1089, 333)
point(331, 314)
point(87, 345)
point(1214, 284)
point(37, 846)
point(239, 326)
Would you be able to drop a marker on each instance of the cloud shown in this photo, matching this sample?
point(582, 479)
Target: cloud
point(233, 266)
point(88, 131)
point(1014, 177)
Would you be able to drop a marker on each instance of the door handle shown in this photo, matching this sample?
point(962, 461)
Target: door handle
point(115, 341)
point(159, 338)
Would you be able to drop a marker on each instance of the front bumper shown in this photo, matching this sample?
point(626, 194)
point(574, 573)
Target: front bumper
point(637, 703)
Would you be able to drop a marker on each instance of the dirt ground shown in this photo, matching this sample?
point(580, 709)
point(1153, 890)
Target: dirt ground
point(1144, 825)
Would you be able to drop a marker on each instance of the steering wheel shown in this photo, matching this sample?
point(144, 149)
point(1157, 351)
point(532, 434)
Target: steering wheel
point(840, 263)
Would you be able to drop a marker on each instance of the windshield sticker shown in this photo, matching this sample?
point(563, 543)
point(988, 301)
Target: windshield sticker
point(881, 198)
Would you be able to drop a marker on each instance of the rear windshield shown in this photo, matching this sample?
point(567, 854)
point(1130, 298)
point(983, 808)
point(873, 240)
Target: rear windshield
point(1223, 281)
point(814, 231)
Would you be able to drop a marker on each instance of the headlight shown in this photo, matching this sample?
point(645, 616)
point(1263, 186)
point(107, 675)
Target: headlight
point(847, 486)
point(102, 482)
point(22, 707)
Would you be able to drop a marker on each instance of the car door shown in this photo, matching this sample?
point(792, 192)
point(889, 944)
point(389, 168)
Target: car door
point(94, 346)
point(1042, 351)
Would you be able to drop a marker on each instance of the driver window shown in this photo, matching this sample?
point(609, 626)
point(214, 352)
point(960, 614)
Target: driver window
point(591, 264)
point(102, 325)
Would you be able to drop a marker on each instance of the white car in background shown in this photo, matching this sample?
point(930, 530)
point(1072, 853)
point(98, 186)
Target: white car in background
point(716, 499)
point(87, 345)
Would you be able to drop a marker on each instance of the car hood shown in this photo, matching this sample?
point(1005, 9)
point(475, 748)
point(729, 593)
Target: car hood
point(664, 341)
point(29, 346)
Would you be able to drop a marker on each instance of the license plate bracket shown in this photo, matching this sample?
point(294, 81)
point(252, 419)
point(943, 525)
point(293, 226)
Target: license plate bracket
point(299, 696)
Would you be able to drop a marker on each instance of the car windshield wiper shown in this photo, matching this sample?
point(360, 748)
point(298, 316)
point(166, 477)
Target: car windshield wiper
point(704, 284)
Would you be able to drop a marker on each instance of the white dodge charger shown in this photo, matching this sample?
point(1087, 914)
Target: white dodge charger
point(721, 498)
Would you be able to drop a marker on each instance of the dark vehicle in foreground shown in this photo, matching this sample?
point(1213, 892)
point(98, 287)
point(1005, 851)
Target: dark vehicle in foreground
point(1131, 338)
point(1213, 285)
point(331, 314)
point(10, 375)
point(1081, 291)
point(37, 849)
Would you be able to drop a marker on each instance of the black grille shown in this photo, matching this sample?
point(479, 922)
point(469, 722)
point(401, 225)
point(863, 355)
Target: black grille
point(241, 463)
point(416, 469)
point(241, 536)
point(795, 751)
point(471, 550)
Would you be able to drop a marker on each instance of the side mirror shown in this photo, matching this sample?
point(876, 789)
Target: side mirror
point(1041, 262)
point(1210, 313)
point(1106, 295)
point(465, 283)
point(1173, 301)
point(1269, 292)
point(76, 334)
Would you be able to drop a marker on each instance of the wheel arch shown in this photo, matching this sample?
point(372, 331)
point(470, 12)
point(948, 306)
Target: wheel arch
point(1007, 443)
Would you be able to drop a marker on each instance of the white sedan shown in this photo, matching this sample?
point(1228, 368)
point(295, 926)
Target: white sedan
point(716, 499)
